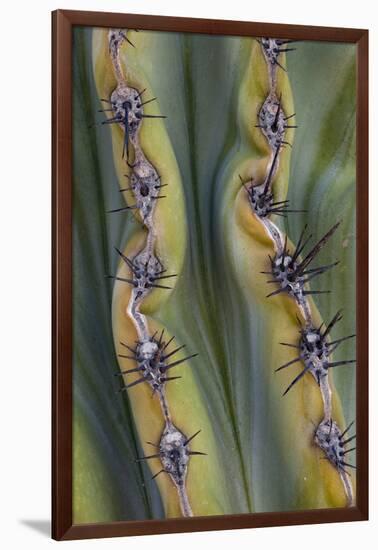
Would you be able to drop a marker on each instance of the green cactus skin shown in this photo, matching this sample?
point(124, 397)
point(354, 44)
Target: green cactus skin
point(265, 452)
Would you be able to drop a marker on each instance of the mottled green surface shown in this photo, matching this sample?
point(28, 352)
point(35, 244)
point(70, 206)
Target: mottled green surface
point(196, 79)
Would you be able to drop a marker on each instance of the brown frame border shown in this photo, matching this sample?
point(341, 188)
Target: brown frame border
point(62, 525)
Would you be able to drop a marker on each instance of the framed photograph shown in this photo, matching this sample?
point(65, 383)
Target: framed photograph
point(210, 253)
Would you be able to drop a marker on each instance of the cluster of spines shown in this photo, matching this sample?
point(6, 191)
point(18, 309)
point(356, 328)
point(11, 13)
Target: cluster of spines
point(126, 105)
point(333, 442)
point(273, 48)
point(145, 274)
point(291, 270)
point(174, 452)
point(273, 122)
point(261, 197)
point(314, 351)
point(116, 38)
point(151, 354)
point(151, 357)
point(292, 273)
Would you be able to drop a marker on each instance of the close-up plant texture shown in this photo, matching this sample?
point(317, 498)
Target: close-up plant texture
point(214, 275)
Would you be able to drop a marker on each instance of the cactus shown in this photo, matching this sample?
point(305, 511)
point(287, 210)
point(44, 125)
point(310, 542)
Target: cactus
point(148, 267)
point(193, 208)
point(290, 269)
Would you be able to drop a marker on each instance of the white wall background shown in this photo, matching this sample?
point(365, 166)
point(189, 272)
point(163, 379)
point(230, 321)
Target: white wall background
point(25, 272)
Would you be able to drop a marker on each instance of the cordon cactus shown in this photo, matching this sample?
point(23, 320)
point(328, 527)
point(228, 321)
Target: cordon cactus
point(218, 267)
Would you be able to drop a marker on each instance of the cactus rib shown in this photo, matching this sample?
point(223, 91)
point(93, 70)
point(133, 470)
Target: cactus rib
point(290, 271)
point(146, 270)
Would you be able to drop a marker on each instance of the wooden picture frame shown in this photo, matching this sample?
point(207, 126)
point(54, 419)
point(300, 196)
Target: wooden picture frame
point(63, 22)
